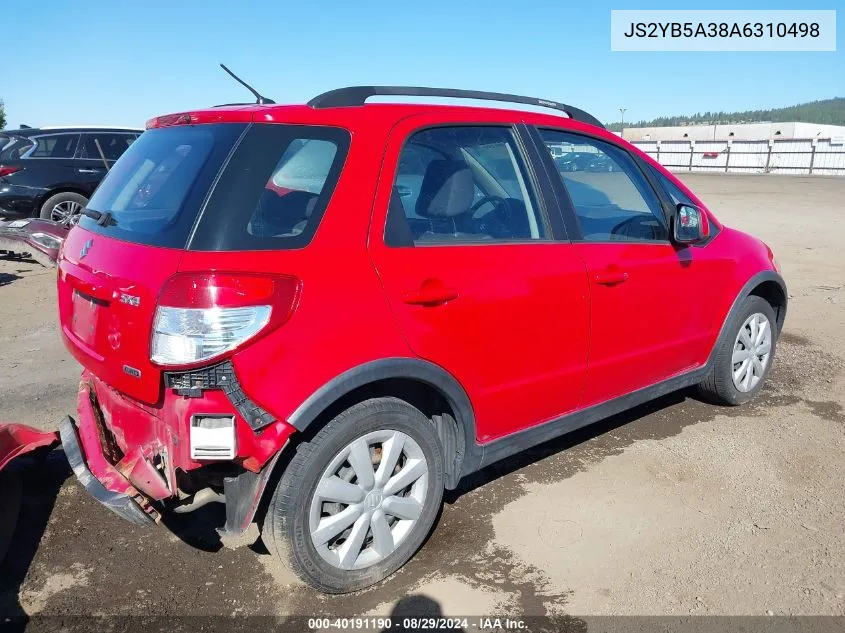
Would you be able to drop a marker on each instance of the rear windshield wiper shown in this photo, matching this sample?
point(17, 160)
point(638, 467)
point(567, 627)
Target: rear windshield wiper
point(103, 218)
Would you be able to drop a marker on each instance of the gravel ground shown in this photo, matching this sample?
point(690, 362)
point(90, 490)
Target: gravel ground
point(675, 508)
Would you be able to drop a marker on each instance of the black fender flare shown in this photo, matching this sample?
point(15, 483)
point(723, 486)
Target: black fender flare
point(746, 290)
point(398, 367)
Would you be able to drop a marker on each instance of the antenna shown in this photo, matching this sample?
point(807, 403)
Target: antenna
point(258, 98)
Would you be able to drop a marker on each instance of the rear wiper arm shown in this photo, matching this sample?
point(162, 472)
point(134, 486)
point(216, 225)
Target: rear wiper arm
point(103, 218)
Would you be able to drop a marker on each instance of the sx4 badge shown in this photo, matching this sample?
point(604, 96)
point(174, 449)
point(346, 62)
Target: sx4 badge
point(130, 300)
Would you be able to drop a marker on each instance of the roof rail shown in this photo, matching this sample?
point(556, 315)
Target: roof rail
point(357, 95)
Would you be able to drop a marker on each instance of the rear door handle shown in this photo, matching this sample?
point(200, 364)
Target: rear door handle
point(430, 293)
point(610, 277)
point(83, 170)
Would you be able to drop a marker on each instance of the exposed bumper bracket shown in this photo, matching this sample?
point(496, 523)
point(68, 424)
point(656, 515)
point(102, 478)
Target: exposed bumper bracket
point(222, 376)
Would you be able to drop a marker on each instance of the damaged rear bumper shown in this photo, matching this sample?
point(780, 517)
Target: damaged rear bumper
point(127, 458)
point(120, 503)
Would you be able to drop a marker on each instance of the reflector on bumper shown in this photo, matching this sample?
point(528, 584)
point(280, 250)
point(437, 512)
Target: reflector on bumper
point(212, 437)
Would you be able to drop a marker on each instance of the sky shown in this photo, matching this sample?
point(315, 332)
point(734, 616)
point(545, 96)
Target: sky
point(111, 62)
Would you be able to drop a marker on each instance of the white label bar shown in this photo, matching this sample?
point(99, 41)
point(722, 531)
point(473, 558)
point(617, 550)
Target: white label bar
point(722, 30)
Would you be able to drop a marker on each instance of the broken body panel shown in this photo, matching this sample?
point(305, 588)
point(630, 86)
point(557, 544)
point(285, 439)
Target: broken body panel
point(39, 239)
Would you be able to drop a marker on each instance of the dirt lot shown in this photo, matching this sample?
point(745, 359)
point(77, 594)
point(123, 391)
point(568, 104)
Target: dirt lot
point(675, 508)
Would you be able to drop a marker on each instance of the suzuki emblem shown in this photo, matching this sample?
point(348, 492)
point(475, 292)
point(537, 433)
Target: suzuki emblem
point(85, 248)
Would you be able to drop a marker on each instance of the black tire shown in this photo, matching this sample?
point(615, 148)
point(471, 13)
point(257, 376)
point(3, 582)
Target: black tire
point(46, 211)
point(718, 386)
point(10, 500)
point(286, 525)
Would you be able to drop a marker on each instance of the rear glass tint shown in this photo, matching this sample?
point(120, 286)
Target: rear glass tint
point(274, 189)
point(13, 147)
point(155, 190)
point(271, 193)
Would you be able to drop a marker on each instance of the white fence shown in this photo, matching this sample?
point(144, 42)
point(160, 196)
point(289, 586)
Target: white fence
point(788, 156)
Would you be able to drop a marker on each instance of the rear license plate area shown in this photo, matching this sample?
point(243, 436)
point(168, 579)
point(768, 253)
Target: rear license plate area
point(86, 312)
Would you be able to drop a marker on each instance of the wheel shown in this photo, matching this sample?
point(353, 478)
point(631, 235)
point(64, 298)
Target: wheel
point(358, 500)
point(64, 208)
point(745, 355)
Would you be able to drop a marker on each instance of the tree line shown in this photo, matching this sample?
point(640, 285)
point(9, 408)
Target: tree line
point(827, 111)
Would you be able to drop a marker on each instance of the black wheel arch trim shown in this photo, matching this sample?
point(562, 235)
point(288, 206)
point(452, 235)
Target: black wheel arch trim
point(399, 367)
point(476, 456)
point(746, 290)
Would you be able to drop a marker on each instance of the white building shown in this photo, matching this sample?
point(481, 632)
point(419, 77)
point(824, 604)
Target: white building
point(737, 131)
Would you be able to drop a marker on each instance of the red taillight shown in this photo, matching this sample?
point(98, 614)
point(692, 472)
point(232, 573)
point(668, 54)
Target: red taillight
point(8, 170)
point(228, 290)
point(205, 316)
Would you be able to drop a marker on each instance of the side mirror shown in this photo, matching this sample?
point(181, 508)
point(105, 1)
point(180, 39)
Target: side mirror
point(690, 225)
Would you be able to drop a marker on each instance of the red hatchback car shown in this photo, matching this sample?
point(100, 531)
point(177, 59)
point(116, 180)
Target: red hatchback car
point(323, 315)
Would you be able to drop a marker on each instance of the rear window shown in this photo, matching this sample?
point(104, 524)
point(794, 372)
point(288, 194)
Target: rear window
point(271, 194)
point(156, 188)
point(13, 147)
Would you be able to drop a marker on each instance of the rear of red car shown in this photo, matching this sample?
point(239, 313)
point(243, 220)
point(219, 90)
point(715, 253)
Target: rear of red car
point(188, 254)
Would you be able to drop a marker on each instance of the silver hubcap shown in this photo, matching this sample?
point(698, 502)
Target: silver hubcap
point(66, 213)
point(368, 499)
point(752, 350)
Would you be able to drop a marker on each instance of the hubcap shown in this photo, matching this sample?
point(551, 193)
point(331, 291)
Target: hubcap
point(368, 499)
point(752, 351)
point(66, 213)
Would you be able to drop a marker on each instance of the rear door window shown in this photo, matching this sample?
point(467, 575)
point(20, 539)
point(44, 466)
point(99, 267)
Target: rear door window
point(112, 144)
point(53, 146)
